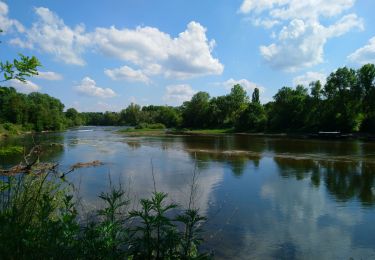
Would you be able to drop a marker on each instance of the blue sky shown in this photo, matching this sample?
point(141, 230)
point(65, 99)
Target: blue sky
point(103, 55)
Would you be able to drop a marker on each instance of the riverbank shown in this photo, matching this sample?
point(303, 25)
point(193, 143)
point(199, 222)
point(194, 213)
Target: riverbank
point(8, 129)
point(230, 131)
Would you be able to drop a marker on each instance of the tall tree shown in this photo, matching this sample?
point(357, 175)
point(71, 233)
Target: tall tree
point(255, 96)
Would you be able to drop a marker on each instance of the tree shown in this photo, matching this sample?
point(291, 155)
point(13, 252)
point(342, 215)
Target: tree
point(132, 115)
point(366, 81)
point(195, 111)
point(73, 117)
point(288, 110)
point(255, 96)
point(343, 101)
point(252, 119)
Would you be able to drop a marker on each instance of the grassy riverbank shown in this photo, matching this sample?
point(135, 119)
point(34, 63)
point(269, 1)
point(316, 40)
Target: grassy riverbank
point(147, 131)
point(8, 129)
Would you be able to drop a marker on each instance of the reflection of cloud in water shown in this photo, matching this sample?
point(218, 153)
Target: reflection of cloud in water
point(174, 177)
point(302, 211)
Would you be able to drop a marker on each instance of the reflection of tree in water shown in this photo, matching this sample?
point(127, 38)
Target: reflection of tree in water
point(298, 168)
point(234, 151)
point(351, 180)
point(52, 147)
point(237, 163)
point(313, 146)
point(345, 180)
point(134, 145)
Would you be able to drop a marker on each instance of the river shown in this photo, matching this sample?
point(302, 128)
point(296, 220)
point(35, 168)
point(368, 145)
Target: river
point(265, 198)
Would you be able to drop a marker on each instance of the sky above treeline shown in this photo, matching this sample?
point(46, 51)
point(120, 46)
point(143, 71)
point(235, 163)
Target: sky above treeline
point(103, 55)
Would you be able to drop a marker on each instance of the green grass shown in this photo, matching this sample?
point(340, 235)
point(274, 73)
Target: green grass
point(203, 131)
point(142, 131)
point(11, 150)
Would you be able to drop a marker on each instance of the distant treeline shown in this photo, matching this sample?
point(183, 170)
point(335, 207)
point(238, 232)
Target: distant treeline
point(345, 103)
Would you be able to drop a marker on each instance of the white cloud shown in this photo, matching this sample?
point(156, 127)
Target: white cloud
point(301, 40)
point(246, 84)
point(49, 75)
point(309, 77)
point(292, 9)
point(88, 87)
point(301, 44)
point(50, 35)
point(127, 73)
point(156, 52)
point(266, 23)
point(23, 87)
point(365, 54)
point(177, 94)
point(7, 24)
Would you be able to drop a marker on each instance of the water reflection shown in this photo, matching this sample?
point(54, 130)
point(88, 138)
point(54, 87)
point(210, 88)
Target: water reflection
point(344, 180)
point(265, 197)
point(52, 146)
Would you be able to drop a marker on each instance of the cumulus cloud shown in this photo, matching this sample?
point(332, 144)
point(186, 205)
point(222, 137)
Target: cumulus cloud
point(49, 75)
point(50, 35)
point(88, 87)
point(152, 51)
point(301, 39)
point(365, 54)
point(246, 84)
point(156, 52)
point(177, 94)
point(23, 87)
point(7, 24)
point(301, 44)
point(127, 73)
point(309, 77)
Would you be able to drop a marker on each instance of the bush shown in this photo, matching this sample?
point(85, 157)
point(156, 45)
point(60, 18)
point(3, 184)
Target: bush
point(11, 129)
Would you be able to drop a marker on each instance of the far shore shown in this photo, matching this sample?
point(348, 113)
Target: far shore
point(223, 132)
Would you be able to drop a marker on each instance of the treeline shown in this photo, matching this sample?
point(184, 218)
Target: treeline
point(344, 103)
point(34, 111)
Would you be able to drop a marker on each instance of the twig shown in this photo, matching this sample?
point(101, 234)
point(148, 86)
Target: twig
point(153, 175)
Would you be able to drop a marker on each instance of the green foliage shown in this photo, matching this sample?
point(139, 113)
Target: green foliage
point(20, 69)
point(40, 111)
point(157, 236)
point(255, 96)
point(150, 126)
point(288, 110)
point(11, 150)
point(73, 117)
point(253, 118)
point(39, 220)
point(195, 112)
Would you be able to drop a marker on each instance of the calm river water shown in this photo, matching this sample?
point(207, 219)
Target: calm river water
point(265, 198)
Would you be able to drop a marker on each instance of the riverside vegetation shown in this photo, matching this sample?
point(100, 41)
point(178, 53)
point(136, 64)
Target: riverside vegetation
point(39, 219)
